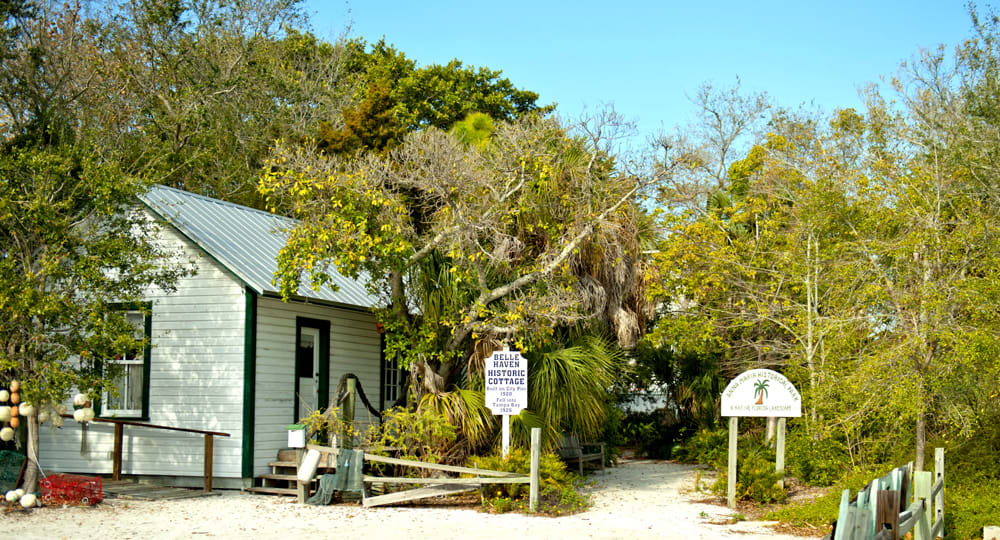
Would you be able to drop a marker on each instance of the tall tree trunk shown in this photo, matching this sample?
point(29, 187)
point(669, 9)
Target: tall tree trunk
point(31, 472)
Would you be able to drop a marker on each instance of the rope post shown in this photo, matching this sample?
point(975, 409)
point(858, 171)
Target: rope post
point(348, 413)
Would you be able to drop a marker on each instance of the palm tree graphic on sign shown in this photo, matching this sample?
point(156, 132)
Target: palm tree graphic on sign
point(760, 389)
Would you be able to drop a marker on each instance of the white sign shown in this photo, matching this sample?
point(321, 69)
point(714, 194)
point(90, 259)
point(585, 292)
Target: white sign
point(506, 382)
point(761, 392)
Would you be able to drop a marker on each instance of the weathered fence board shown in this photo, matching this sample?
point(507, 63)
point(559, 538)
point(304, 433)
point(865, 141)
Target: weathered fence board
point(416, 494)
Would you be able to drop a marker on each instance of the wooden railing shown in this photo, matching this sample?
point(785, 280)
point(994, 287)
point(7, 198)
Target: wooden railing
point(116, 466)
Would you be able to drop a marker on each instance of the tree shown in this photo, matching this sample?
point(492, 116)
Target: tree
point(187, 94)
point(74, 249)
point(521, 238)
point(202, 89)
point(393, 97)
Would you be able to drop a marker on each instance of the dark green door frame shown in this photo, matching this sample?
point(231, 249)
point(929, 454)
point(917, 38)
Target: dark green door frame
point(249, 379)
point(324, 361)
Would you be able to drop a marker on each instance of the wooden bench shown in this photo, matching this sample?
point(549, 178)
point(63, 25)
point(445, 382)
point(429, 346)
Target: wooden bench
point(571, 450)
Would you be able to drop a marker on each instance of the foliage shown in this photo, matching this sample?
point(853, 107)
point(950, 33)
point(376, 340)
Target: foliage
point(613, 432)
point(706, 446)
point(568, 385)
point(653, 434)
point(422, 435)
point(817, 462)
point(856, 254)
point(328, 428)
point(188, 94)
point(474, 129)
point(76, 250)
point(393, 97)
point(756, 479)
point(968, 508)
point(558, 487)
point(533, 234)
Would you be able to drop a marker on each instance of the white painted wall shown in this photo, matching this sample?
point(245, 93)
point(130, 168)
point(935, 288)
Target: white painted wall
point(354, 348)
point(196, 381)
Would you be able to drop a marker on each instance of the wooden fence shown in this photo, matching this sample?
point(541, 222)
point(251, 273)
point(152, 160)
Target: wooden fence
point(883, 509)
point(430, 487)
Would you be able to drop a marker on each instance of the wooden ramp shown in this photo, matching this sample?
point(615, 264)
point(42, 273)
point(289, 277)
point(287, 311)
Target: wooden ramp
point(123, 489)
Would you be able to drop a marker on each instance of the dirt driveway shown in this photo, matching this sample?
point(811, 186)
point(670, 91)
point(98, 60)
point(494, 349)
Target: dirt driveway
point(636, 500)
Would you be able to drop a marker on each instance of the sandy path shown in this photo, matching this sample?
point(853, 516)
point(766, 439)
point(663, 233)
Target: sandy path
point(637, 500)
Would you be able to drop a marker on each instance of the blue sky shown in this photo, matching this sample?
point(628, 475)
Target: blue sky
point(646, 57)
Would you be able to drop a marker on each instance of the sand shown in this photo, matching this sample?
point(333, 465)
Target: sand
point(636, 500)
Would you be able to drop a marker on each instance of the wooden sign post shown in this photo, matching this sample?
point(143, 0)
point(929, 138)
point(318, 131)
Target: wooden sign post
point(506, 388)
point(762, 393)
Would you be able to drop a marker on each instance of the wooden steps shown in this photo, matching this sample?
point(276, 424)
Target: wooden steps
point(282, 479)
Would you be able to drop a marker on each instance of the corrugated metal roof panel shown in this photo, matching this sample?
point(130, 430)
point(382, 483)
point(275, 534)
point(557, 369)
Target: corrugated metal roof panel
point(244, 240)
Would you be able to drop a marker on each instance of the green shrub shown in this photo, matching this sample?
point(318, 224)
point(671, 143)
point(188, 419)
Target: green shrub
point(755, 480)
point(970, 503)
point(423, 435)
point(652, 434)
point(558, 492)
point(708, 446)
point(816, 462)
point(613, 432)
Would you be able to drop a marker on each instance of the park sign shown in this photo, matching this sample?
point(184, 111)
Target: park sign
point(761, 392)
point(506, 382)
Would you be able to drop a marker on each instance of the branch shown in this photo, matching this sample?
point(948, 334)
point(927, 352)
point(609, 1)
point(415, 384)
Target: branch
point(475, 311)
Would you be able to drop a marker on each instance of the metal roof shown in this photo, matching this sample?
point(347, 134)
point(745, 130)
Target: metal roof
point(245, 241)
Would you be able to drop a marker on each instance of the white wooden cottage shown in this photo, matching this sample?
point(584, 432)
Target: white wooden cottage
point(228, 355)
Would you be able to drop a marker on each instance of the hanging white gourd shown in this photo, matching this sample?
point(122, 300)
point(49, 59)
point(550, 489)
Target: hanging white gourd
point(4, 414)
point(4, 395)
point(6, 434)
point(27, 409)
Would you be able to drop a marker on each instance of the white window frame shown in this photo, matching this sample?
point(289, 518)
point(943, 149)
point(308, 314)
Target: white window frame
point(140, 357)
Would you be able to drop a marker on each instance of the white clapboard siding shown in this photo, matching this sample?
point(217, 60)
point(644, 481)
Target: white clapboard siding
point(196, 382)
point(354, 348)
